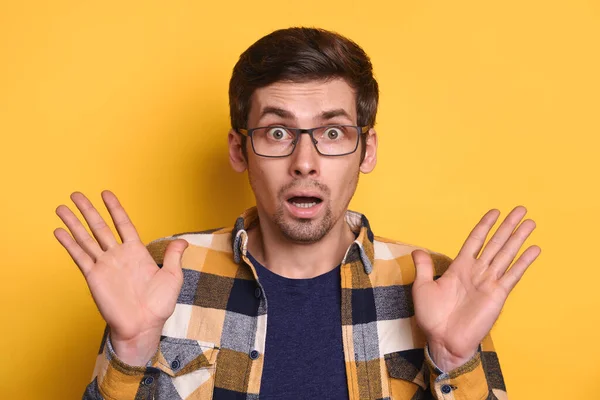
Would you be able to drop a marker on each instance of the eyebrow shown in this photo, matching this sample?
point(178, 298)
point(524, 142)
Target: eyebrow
point(325, 115)
point(279, 112)
point(338, 112)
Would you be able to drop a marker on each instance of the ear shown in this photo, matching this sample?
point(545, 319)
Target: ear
point(236, 154)
point(368, 163)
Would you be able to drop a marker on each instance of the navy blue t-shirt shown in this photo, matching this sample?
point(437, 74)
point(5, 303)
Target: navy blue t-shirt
point(304, 356)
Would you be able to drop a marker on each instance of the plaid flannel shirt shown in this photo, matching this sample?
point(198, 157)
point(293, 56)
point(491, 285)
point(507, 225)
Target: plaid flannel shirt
point(213, 344)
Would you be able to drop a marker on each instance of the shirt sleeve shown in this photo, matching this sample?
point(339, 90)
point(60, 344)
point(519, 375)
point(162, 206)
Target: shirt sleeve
point(115, 380)
point(478, 378)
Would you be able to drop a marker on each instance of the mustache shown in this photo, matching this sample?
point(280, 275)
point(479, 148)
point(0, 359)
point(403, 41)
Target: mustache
point(297, 184)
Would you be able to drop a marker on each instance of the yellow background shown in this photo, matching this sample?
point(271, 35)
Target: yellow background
point(483, 104)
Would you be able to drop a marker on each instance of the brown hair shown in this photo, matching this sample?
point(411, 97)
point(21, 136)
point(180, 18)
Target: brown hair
point(299, 55)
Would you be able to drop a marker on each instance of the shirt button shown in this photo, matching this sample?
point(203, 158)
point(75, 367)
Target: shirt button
point(446, 389)
point(175, 365)
point(257, 292)
point(254, 354)
point(148, 380)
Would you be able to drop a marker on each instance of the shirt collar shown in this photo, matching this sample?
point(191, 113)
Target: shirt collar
point(361, 249)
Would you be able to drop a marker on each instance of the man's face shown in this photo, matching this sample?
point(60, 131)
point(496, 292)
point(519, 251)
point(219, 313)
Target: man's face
point(305, 194)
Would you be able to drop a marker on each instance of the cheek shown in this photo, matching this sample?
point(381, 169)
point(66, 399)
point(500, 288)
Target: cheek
point(265, 180)
point(343, 182)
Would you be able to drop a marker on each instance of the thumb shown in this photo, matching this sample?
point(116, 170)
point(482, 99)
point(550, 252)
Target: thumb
point(173, 255)
point(424, 267)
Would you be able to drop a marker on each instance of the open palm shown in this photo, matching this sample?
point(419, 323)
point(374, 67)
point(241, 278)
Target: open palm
point(134, 296)
point(459, 309)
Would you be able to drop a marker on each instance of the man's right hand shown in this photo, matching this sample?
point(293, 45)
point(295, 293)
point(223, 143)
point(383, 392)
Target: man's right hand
point(134, 296)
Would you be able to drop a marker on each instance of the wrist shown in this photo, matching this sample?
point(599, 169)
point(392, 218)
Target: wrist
point(446, 360)
point(136, 351)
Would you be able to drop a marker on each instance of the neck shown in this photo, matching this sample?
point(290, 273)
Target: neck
point(298, 260)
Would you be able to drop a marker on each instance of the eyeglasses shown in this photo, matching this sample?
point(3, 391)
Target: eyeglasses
point(280, 141)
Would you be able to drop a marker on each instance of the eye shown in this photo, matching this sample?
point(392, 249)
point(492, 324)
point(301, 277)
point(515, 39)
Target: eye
point(333, 133)
point(277, 133)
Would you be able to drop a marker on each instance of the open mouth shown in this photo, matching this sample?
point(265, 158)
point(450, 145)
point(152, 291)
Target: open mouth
point(304, 202)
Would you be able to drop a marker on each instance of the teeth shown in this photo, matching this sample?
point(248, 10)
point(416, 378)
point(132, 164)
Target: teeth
point(305, 205)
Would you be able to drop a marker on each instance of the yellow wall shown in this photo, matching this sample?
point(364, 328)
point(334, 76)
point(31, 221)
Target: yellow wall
point(483, 104)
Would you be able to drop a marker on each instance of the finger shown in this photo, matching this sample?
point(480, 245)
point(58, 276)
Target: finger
point(81, 235)
point(510, 279)
point(503, 233)
point(508, 252)
point(98, 226)
point(423, 266)
point(81, 258)
point(476, 238)
point(124, 226)
point(173, 256)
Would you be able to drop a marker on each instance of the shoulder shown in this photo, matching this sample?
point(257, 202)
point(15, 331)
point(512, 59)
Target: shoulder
point(393, 260)
point(201, 242)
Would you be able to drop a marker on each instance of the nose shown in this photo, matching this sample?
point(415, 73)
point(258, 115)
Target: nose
point(305, 158)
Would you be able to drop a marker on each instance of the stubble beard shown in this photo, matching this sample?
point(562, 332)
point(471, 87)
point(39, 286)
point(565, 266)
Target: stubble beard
point(303, 230)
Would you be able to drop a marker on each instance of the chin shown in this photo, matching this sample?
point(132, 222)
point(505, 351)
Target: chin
point(304, 230)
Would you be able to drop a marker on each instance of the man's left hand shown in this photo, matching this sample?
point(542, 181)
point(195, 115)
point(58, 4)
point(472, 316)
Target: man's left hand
point(459, 309)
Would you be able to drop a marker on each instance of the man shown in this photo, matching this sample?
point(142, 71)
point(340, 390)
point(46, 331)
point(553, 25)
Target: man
point(350, 315)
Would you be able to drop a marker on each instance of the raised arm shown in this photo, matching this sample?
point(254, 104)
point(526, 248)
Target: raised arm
point(457, 311)
point(134, 296)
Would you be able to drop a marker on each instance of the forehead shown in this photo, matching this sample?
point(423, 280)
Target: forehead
point(304, 100)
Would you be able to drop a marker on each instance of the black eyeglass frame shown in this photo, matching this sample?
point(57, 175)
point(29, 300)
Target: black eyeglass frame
point(362, 130)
